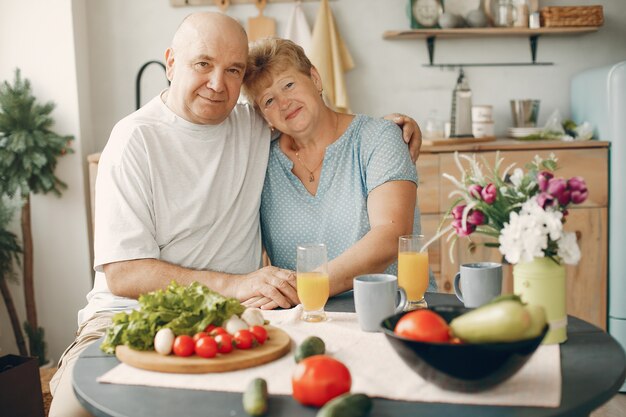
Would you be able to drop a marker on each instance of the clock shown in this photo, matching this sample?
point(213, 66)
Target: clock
point(426, 12)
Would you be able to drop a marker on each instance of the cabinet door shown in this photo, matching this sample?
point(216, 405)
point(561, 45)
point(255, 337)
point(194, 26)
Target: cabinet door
point(430, 223)
point(586, 282)
point(428, 187)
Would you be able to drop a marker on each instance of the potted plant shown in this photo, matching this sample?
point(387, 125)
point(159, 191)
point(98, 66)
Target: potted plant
point(9, 255)
point(28, 157)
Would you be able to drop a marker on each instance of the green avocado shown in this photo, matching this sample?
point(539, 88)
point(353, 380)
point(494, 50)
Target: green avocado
point(310, 346)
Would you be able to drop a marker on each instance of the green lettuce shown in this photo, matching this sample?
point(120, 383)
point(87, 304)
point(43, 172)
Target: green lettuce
point(184, 309)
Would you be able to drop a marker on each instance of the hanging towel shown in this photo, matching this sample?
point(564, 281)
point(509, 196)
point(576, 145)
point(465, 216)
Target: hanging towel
point(331, 57)
point(298, 29)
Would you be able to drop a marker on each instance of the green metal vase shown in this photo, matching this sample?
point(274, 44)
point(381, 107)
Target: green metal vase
point(542, 282)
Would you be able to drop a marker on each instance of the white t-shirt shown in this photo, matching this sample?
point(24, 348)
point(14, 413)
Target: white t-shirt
point(180, 192)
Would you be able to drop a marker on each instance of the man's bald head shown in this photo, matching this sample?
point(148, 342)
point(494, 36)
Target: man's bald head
point(205, 64)
point(197, 25)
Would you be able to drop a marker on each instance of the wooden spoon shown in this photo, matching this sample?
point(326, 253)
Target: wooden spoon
point(222, 4)
point(261, 26)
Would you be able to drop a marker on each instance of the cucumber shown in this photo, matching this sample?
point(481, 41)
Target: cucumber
point(255, 397)
point(504, 321)
point(347, 405)
point(310, 346)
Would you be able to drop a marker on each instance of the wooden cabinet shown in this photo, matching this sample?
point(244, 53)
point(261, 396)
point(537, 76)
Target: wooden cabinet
point(586, 282)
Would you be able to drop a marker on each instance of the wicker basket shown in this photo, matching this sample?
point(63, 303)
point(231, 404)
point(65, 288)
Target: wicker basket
point(559, 16)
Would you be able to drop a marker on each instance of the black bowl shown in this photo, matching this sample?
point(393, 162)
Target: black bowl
point(461, 367)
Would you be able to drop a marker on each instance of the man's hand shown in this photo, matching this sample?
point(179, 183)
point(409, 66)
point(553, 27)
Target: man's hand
point(269, 287)
point(411, 133)
point(263, 303)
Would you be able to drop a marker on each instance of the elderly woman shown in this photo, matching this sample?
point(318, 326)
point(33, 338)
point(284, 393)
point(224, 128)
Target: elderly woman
point(340, 179)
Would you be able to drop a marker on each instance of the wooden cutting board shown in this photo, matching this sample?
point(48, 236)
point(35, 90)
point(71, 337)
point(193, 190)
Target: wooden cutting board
point(276, 346)
point(261, 26)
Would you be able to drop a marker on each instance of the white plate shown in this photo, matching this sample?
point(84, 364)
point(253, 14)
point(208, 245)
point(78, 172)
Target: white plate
point(518, 132)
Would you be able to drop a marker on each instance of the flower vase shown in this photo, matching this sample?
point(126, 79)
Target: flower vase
point(542, 282)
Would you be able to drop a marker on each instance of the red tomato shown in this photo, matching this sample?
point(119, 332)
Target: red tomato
point(224, 343)
point(423, 326)
point(210, 327)
point(318, 379)
point(217, 330)
point(243, 339)
point(206, 347)
point(183, 345)
point(259, 333)
point(199, 336)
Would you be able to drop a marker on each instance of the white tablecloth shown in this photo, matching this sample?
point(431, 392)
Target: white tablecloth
point(375, 367)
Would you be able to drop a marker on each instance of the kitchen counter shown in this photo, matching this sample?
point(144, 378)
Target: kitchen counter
point(505, 144)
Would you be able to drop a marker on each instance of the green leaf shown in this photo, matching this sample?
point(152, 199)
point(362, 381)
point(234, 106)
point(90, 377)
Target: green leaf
point(29, 148)
point(184, 309)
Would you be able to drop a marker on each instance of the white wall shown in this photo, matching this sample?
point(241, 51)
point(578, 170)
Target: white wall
point(388, 76)
point(84, 55)
point(39, 38)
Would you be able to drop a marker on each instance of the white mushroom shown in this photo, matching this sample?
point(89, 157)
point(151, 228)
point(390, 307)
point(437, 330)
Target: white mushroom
point(253, 317)
point(234, 324)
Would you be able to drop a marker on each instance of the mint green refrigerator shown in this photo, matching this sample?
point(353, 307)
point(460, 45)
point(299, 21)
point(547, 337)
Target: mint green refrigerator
point(599, 96)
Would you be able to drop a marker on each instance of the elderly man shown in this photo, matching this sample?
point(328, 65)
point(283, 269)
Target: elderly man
point(178, 192)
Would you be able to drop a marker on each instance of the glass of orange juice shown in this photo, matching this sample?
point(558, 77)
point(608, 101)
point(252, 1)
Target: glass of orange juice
point(312, 280)
point(413, 270)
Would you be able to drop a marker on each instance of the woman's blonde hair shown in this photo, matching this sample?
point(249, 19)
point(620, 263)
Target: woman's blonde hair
point(268, 57)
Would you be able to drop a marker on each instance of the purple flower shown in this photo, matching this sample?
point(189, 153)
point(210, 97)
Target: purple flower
point(457, 212)
point(579, 196)
point(474, 190)
point(476, 217)
point(462, 232)
point(565, 198)
point(545, 200)
point(577, 183)
point(489, 193)
point(578, 189)
point(542, 179)
point(556, 186)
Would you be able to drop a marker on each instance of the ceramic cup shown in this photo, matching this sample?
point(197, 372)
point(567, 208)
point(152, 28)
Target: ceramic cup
point(375, 299)
point(478, 283)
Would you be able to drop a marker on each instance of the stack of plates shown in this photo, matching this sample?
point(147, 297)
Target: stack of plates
point(520, 132)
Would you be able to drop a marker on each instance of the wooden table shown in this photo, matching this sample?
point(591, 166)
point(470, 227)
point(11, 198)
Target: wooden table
point(593, 368)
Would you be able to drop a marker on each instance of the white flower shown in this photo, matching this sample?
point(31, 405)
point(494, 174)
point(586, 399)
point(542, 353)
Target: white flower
point(526, 236)
point(517, 177)
point(568, 248)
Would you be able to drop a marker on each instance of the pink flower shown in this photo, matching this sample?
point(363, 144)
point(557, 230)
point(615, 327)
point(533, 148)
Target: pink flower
point(556, 186)
point(545, 200)
point(578, 187)
point(489, 193)
point(577, 183)
point(474, 190)
point(565, 198)
point(463, 232)
point(457, 212)
point(476, 217)
point(579, 196)
point(543, 178)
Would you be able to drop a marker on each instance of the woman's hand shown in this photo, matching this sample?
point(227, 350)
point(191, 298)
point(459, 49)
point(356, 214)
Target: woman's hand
point(277, 285)
point(411, 133)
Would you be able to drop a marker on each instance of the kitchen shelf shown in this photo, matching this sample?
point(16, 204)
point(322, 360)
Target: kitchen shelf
point(430, 35)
